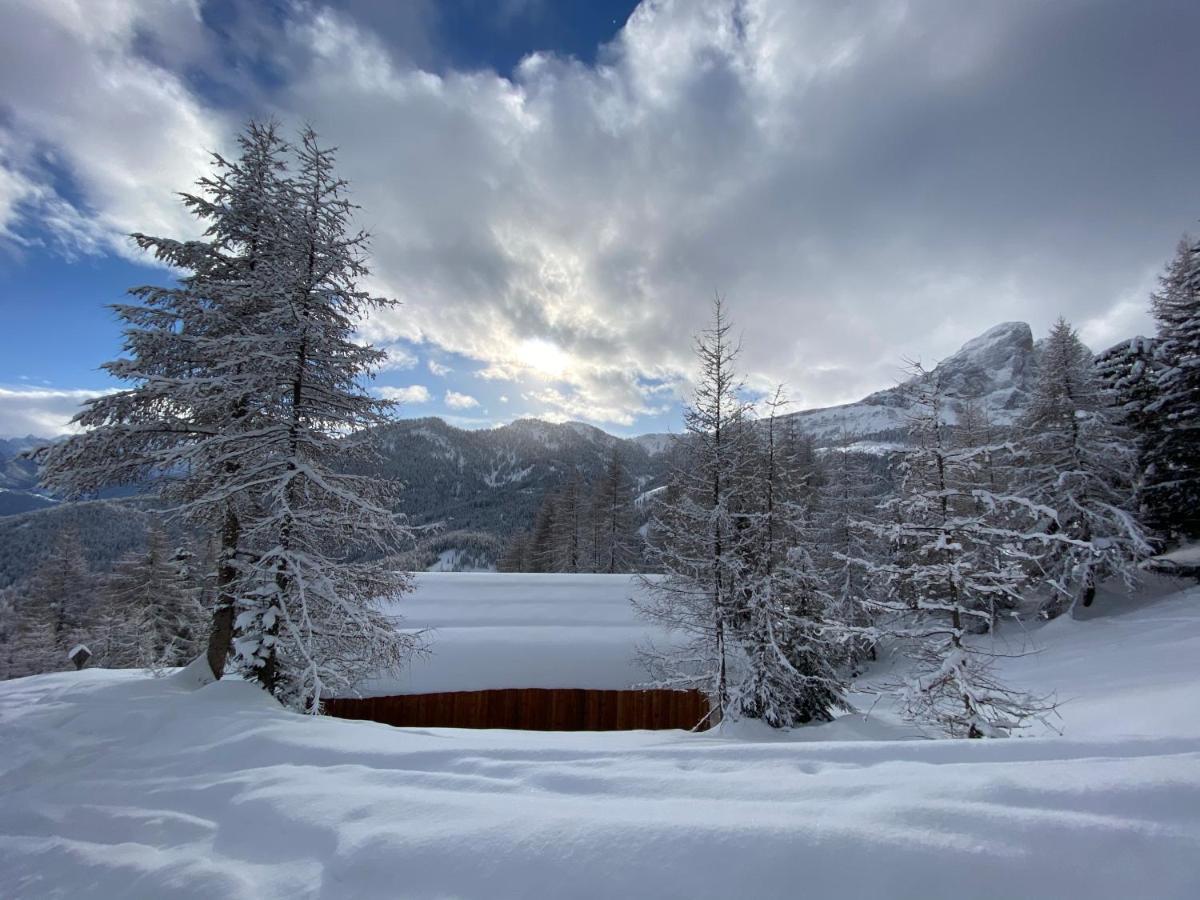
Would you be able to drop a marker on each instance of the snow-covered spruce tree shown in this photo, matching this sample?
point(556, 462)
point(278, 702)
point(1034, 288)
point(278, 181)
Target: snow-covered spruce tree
point(992, 472)
point(1077, 460)
point(516, 556)
point(973, 428)
point(611, 518)
point(149, 611)
point(63, 594)
point(698, 538)
point(8, 631)
point(33, 647)
point(540, 550)
point(806, 463)
point(790, 646)
point(569, 514)
point(848, 546)
point(53, 611)
point(309, 615)
point(958, 551)
point(1173, 456)
point(191, 411)
point(27, 640)
point(1128, 374)
point(245, 401)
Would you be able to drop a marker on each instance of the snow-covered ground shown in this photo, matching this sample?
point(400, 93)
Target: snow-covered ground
point(1183, 560)
point(113, 784)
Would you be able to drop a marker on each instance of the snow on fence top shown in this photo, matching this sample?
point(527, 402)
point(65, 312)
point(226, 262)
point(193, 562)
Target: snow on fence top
point(491, 630)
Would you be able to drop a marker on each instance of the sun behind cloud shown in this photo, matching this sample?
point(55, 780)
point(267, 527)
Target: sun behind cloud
point(544, 357)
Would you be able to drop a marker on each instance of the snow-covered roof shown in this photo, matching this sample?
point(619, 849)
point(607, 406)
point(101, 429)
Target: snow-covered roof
point(490, 630)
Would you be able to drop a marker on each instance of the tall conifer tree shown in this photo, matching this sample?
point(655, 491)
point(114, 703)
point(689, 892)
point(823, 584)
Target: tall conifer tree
point(245, 407)
point(1079, 461)
point(698, 534)
point(1173, 455)
point(958, 550)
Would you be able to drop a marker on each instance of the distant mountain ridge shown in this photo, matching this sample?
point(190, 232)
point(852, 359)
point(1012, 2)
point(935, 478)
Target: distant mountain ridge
point(489, 481)
point(19, 490)
point(18, 474)
point(493, 480)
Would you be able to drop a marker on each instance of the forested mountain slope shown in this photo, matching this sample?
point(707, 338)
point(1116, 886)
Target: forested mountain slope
point(107, 529)
point(493, 480)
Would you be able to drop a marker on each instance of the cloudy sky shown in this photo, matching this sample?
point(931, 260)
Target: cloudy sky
point(556, 189)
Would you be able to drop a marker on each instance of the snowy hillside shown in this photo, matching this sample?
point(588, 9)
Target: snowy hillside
point(17, 473)
point(113, 784)
point(19, 491)
point(655, 443)
point(998, 368)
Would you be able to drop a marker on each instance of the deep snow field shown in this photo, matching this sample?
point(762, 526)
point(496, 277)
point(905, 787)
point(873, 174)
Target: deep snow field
point(116, 784)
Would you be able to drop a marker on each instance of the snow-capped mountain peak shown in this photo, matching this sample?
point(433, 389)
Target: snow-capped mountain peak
point(997, 368)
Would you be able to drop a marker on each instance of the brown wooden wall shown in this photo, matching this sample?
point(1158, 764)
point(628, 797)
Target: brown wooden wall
point(533, 709)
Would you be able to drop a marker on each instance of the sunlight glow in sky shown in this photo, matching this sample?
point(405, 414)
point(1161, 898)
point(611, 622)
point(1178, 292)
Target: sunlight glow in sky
point(543, 357)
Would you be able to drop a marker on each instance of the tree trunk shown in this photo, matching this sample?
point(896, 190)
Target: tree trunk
point(268, 674)
point(1089, 592)
point(220, 638)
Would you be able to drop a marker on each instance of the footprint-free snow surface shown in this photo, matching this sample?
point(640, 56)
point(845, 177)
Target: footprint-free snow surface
point(114, 784)
point(508, 630)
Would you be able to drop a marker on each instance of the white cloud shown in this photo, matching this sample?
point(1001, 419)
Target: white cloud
point(861, 184)
point(455, 400)
point(17, 190)
point(498, 372)
point(127, 132)
point(437, 369)
point(414, 393)
point(42, 412)
point(1123, 319)
point(503, 398)
point(567, 228)
point(399, 358)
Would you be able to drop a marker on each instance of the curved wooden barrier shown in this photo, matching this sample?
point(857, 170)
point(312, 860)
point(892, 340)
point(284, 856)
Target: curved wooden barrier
point(533, 709)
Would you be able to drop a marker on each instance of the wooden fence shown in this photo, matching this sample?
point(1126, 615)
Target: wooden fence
point(532, 709)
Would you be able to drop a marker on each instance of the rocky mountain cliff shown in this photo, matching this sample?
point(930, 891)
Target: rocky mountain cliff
point(998, 368)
